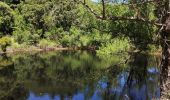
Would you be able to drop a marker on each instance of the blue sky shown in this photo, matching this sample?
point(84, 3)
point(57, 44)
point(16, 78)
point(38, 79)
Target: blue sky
point(94, 0)
point(118, 1)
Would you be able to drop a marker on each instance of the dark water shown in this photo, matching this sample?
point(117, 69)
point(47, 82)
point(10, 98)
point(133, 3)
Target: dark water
point(78, 76)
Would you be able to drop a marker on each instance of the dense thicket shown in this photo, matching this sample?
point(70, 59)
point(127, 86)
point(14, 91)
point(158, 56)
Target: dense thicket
point(65, 23)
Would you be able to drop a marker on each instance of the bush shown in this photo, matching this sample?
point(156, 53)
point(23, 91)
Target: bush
point(116, 45)
point(4, 42)
point(21, 36)
point(85, 40)
point(46, 43)
point(70, 38)
point(153, 48)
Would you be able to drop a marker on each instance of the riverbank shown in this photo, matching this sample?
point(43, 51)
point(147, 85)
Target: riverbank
point(36, 49)
point(41, 49)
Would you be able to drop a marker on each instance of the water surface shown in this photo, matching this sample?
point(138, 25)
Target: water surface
point(78, 75)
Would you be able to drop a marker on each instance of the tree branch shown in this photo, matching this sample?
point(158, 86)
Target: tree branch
point(114, 18)
point(104, 11)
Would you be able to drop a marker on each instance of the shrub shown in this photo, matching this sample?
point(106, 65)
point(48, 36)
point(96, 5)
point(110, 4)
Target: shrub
point(46, 43)
point(85, 40)
point(153, 47)
point(116, 45)
point(4, 42)
point(70, 38)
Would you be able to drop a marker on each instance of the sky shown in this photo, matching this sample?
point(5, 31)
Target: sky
point(94, 0)
point(110, 0)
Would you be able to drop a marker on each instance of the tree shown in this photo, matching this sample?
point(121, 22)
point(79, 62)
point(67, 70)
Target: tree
point(38, 19)
point(162, 12)
point(6, 19)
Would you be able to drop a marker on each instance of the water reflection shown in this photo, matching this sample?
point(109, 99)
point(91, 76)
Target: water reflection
point(78, 76)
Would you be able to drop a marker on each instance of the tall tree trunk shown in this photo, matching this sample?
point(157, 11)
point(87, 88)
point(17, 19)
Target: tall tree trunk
point(165, 66)
point(103, 10)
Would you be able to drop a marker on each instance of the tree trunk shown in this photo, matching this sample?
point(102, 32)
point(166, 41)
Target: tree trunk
point(103, 11)
point(165, 64)
point(165, 68)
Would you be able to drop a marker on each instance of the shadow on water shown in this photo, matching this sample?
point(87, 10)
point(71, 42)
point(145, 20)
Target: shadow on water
point(79, 76)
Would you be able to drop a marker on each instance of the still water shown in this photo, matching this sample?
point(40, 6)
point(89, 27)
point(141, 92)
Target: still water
point(78, 75)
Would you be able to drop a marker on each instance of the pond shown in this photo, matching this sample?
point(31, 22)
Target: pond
point(78, 75)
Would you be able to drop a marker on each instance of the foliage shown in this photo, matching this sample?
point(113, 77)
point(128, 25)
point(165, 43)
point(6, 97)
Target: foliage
point(116, 45)
point(69, 24)
point(6, 19)
point(4, 42)
point(46, 43)
point(153, 48)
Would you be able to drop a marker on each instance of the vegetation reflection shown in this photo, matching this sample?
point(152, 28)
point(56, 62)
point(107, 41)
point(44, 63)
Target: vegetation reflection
point(67, 74)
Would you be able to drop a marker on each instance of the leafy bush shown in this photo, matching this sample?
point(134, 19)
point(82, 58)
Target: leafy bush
point(70, 38)
point(46, 43)
point(116, 45)
point(4, 42)
point(153, 47)
point(21, 31)
point(21, 36)
point(100, 38)
point(85, 40)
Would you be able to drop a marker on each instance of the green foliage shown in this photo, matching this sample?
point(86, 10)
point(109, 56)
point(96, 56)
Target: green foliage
point(64, 22)
point(46, 43)
point(4, 42)
point(6, 19)
point(116, 45)
point(70, 38)
point(153, 48)
point(141, 34)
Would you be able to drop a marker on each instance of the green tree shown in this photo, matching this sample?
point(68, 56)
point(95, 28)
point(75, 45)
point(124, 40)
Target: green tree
point(6, 19)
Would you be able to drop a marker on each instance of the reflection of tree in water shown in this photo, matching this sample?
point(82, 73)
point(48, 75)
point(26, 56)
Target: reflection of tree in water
point(138, 70)
point(5, 61)
point(138, 74)
point(54, 73)
point(137, 81)
point(10, 89)
point(68, 73)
